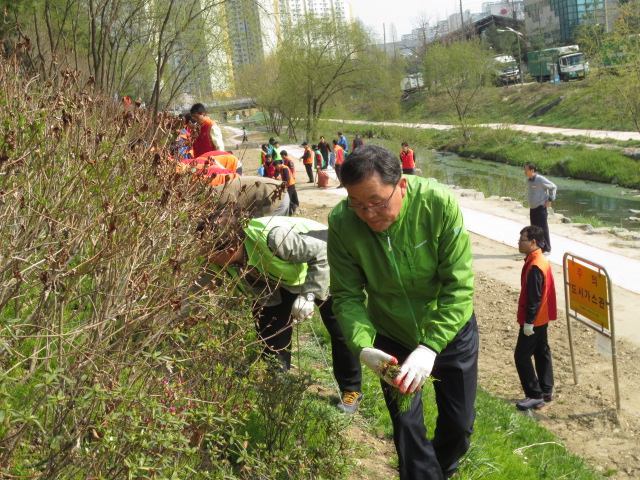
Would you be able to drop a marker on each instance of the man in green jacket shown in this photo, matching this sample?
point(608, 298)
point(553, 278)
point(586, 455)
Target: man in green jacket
point(402, 289)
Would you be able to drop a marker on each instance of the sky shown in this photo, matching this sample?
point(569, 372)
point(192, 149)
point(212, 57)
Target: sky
point(404, 14)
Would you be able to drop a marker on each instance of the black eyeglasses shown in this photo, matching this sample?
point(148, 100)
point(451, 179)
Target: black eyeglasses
point(375, 206)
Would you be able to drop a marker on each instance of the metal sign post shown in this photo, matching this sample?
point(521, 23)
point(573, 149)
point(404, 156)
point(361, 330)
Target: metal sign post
point(588, 299)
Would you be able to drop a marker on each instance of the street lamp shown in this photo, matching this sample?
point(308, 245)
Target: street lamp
point(518, 35)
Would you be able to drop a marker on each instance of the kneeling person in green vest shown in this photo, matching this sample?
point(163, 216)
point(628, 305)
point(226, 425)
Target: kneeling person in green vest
point(282, 263)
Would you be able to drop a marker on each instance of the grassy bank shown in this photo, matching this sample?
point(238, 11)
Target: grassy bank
point(583, 104)
point(604, 165)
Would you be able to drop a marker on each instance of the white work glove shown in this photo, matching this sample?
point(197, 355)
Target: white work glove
point(527, 329)
point(302, 308)
point(376, 360)
point(415, 370)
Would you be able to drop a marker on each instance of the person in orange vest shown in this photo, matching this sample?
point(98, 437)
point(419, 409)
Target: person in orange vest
point(287, 177)
point(408, 162)
point(339, 152)
point(536, 307)
point(307, 161)
point(210, 136)
point(288, 162)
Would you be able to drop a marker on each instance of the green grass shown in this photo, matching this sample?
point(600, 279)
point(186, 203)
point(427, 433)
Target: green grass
point(593, 221)
point(507, 146)
point(506, 445)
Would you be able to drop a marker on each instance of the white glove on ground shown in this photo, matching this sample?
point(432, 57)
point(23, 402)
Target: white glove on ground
point(376, 360)
point(302, 308)
point(416, 369)
point(527, 329)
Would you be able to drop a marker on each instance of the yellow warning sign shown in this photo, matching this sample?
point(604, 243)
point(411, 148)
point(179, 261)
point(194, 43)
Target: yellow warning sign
point(588, 293)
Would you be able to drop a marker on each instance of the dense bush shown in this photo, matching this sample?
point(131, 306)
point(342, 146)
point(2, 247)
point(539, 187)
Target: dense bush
point(105, 372)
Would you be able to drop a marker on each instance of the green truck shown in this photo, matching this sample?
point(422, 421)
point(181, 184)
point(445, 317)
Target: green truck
point(563, 63)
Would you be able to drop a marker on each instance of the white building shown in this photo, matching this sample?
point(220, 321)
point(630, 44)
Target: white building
point(505, 8)
point(291, 10)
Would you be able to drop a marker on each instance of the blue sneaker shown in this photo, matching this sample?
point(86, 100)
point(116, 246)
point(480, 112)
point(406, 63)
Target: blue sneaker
point(529, 403)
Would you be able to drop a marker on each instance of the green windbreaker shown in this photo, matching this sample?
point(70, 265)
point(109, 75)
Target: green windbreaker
point(413, 282)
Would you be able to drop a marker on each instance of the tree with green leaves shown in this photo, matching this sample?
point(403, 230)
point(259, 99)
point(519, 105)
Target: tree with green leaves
point(318, 61)
point(461, 70)
point(615, 55)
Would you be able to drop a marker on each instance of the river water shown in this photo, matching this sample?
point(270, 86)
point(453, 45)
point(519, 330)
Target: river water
point(610, 204)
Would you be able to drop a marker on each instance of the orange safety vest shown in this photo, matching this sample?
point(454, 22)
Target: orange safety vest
point(339, 154)
point(289, 163)
point(292, 180)
point(308, 160)
point(548, 309)
point(407, 159)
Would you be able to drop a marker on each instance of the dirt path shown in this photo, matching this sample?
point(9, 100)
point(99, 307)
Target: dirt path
point(583, 415)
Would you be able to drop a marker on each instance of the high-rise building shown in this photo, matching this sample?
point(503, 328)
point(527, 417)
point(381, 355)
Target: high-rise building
point(555, 21)
point(291, 10)
point(254, 26)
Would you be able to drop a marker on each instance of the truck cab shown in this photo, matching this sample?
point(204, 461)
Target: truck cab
point(573, 66)
point(507, 71)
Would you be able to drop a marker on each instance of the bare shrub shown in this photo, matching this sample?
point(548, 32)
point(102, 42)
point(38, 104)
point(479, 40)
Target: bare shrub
point(101, 374)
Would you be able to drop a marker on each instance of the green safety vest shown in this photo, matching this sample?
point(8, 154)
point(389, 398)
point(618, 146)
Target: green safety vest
point(261, 257)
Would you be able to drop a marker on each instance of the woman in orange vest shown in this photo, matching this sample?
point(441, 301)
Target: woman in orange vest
point(287, 177)
point(408, 162)
point(536, 307)
point(339, 151)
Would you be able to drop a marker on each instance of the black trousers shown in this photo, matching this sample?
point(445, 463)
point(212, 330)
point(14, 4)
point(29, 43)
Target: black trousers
point(538, 217)
point(456, 374)
point(309, 168)
point(539, 381)
point(409, 171)
point(274, 327)
point(294, 203)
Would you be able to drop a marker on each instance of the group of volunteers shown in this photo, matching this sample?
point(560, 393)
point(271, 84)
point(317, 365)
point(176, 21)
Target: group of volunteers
point(391, 276)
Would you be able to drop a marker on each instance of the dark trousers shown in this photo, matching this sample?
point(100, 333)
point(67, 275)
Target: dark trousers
point(539, 381)
point(338, 168)
point(325, 158)
point(456, 378)
point(309, 168)
point(294, 203)
point(409, 171)
point(274, 327)
point(538, 217)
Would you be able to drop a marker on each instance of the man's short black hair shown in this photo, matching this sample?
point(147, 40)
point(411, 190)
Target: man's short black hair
point(283, 153)
point(198, 108)
point(367, 160)
point(404, 144)
point(530, 166)
point(533, 232)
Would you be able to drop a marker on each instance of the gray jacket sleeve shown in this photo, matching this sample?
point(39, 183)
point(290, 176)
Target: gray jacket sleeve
point(550, 187)
point(295, 248)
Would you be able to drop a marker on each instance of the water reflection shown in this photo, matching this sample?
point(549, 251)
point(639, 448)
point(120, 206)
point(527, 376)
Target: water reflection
point(575, 197)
